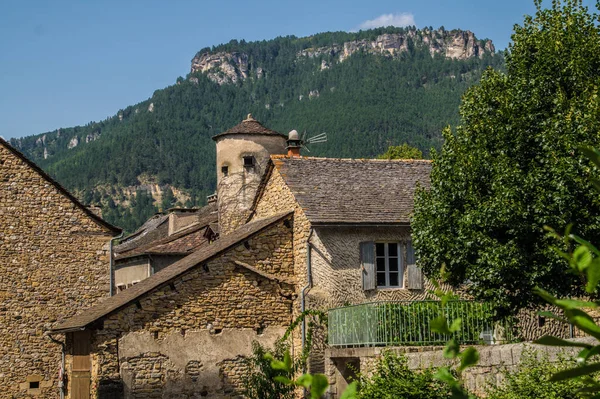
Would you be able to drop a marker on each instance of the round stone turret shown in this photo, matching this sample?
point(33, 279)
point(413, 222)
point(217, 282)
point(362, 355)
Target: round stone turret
point(242, 156)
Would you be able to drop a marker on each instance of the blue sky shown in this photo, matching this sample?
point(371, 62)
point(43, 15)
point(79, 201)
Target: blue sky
point(66, 63)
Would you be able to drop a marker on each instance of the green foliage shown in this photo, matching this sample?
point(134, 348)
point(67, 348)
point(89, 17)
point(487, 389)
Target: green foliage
point(366, 103)
point(393, 379)
point(168, 199)
point(532, 380)
point(512, 166)
point(403, 151)
point(259, 379)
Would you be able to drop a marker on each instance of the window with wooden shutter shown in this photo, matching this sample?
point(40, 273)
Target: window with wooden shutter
point(367, 262)
point(415, 275)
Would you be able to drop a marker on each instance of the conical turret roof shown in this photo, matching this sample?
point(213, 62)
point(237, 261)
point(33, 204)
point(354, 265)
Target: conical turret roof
point(250, 126)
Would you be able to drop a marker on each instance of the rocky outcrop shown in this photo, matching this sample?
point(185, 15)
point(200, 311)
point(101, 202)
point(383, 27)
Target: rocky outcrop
point(74, 142)
point(232, 67)
point(222, 67)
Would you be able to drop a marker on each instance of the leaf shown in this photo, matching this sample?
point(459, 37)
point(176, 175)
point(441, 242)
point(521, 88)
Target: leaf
point(350, 392)
point(305, 380)
point(439, 324)
point(444, 375)
point(278, 365)
point(592, 154)
point(319, 386)
point(553, 341)
point(585, 354)
point(455, 326)
point(593, 276)
point(576, 372)
point(581, 241)
point(545, 295)
point(283, 379)
point(451, 349)
point(582, 257)
point(287, 359)
point(469, 357)
point(574, 304)
point(545, 313)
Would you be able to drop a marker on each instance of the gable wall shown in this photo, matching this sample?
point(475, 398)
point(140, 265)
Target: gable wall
point(191, 340)
point(53, 263)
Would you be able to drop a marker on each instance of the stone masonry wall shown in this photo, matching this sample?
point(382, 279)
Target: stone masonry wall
point(276, 198)
point(493, 359)
point(196, 328)
point(53, 263)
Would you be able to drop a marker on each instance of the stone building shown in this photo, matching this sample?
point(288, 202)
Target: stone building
point(162, 241)
point(295, 233)
point(54, 262)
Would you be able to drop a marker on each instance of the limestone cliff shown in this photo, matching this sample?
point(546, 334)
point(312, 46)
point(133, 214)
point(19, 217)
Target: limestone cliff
point(232, 67)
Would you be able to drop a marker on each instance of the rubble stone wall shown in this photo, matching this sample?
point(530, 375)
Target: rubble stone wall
point(492, 360)
point(54, 262)
point(188, 338)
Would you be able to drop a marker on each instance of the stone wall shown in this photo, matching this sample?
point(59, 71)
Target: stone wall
point(236, 189)
point(53, 263)
point(336, 268)
point(196, 328)
point(493, 358)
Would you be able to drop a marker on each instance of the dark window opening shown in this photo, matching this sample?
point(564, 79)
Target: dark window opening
point(34, 385)
point(225, 170)
point(249, 161)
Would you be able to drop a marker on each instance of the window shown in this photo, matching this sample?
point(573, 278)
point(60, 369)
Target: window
point(249, 161)
point(389, 265)
point(224, 170)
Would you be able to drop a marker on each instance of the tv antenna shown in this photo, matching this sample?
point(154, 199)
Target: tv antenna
point(319, 138)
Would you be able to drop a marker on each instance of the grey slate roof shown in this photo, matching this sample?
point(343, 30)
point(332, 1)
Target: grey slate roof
point(250, 126)
point(167, 274)
point(354, 191)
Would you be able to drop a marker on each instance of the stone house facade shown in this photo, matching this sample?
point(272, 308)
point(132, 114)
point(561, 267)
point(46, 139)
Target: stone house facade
point(320, 226)
point(54, 262)
point(183, 332)
point(163, 240)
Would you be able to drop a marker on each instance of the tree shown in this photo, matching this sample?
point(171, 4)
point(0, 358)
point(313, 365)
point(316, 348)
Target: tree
point(403, 151)
point(168, 199)
point(513, 166)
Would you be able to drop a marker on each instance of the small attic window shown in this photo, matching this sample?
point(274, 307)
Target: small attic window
point(34, 385)
point(225, 170)
point(249, 161)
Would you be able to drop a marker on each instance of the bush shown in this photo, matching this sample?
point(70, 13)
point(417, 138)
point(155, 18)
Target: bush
point(393, 380)
point(258, 380)
point(532, 380)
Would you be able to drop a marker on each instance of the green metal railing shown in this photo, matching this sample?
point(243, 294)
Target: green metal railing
point(408, 323)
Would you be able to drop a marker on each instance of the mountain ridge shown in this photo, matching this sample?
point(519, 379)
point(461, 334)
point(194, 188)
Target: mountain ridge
point(390, 88)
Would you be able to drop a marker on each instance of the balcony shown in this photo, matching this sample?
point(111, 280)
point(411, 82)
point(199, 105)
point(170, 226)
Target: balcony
point(405, 323)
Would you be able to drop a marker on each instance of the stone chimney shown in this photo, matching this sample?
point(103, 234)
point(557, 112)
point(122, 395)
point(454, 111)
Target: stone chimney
point(293, 144)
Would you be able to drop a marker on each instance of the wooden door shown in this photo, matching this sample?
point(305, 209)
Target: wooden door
point(82, 365)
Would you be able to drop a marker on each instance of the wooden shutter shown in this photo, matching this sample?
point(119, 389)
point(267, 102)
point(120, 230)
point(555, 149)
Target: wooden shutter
point(367, 262)
point(415, 275)
point(415, 278)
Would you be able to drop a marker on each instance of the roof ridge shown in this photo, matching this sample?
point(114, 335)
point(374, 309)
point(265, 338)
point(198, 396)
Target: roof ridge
point(404, 160)
point(59, 187)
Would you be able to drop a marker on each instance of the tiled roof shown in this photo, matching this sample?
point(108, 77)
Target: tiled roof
point(250, 126)
point(152, 239)
point(115, 230)
point(179, 243)
point(167, 274)
point(354, 191)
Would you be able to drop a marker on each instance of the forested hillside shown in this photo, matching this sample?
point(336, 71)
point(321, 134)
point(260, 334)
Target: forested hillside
point(364, 104)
